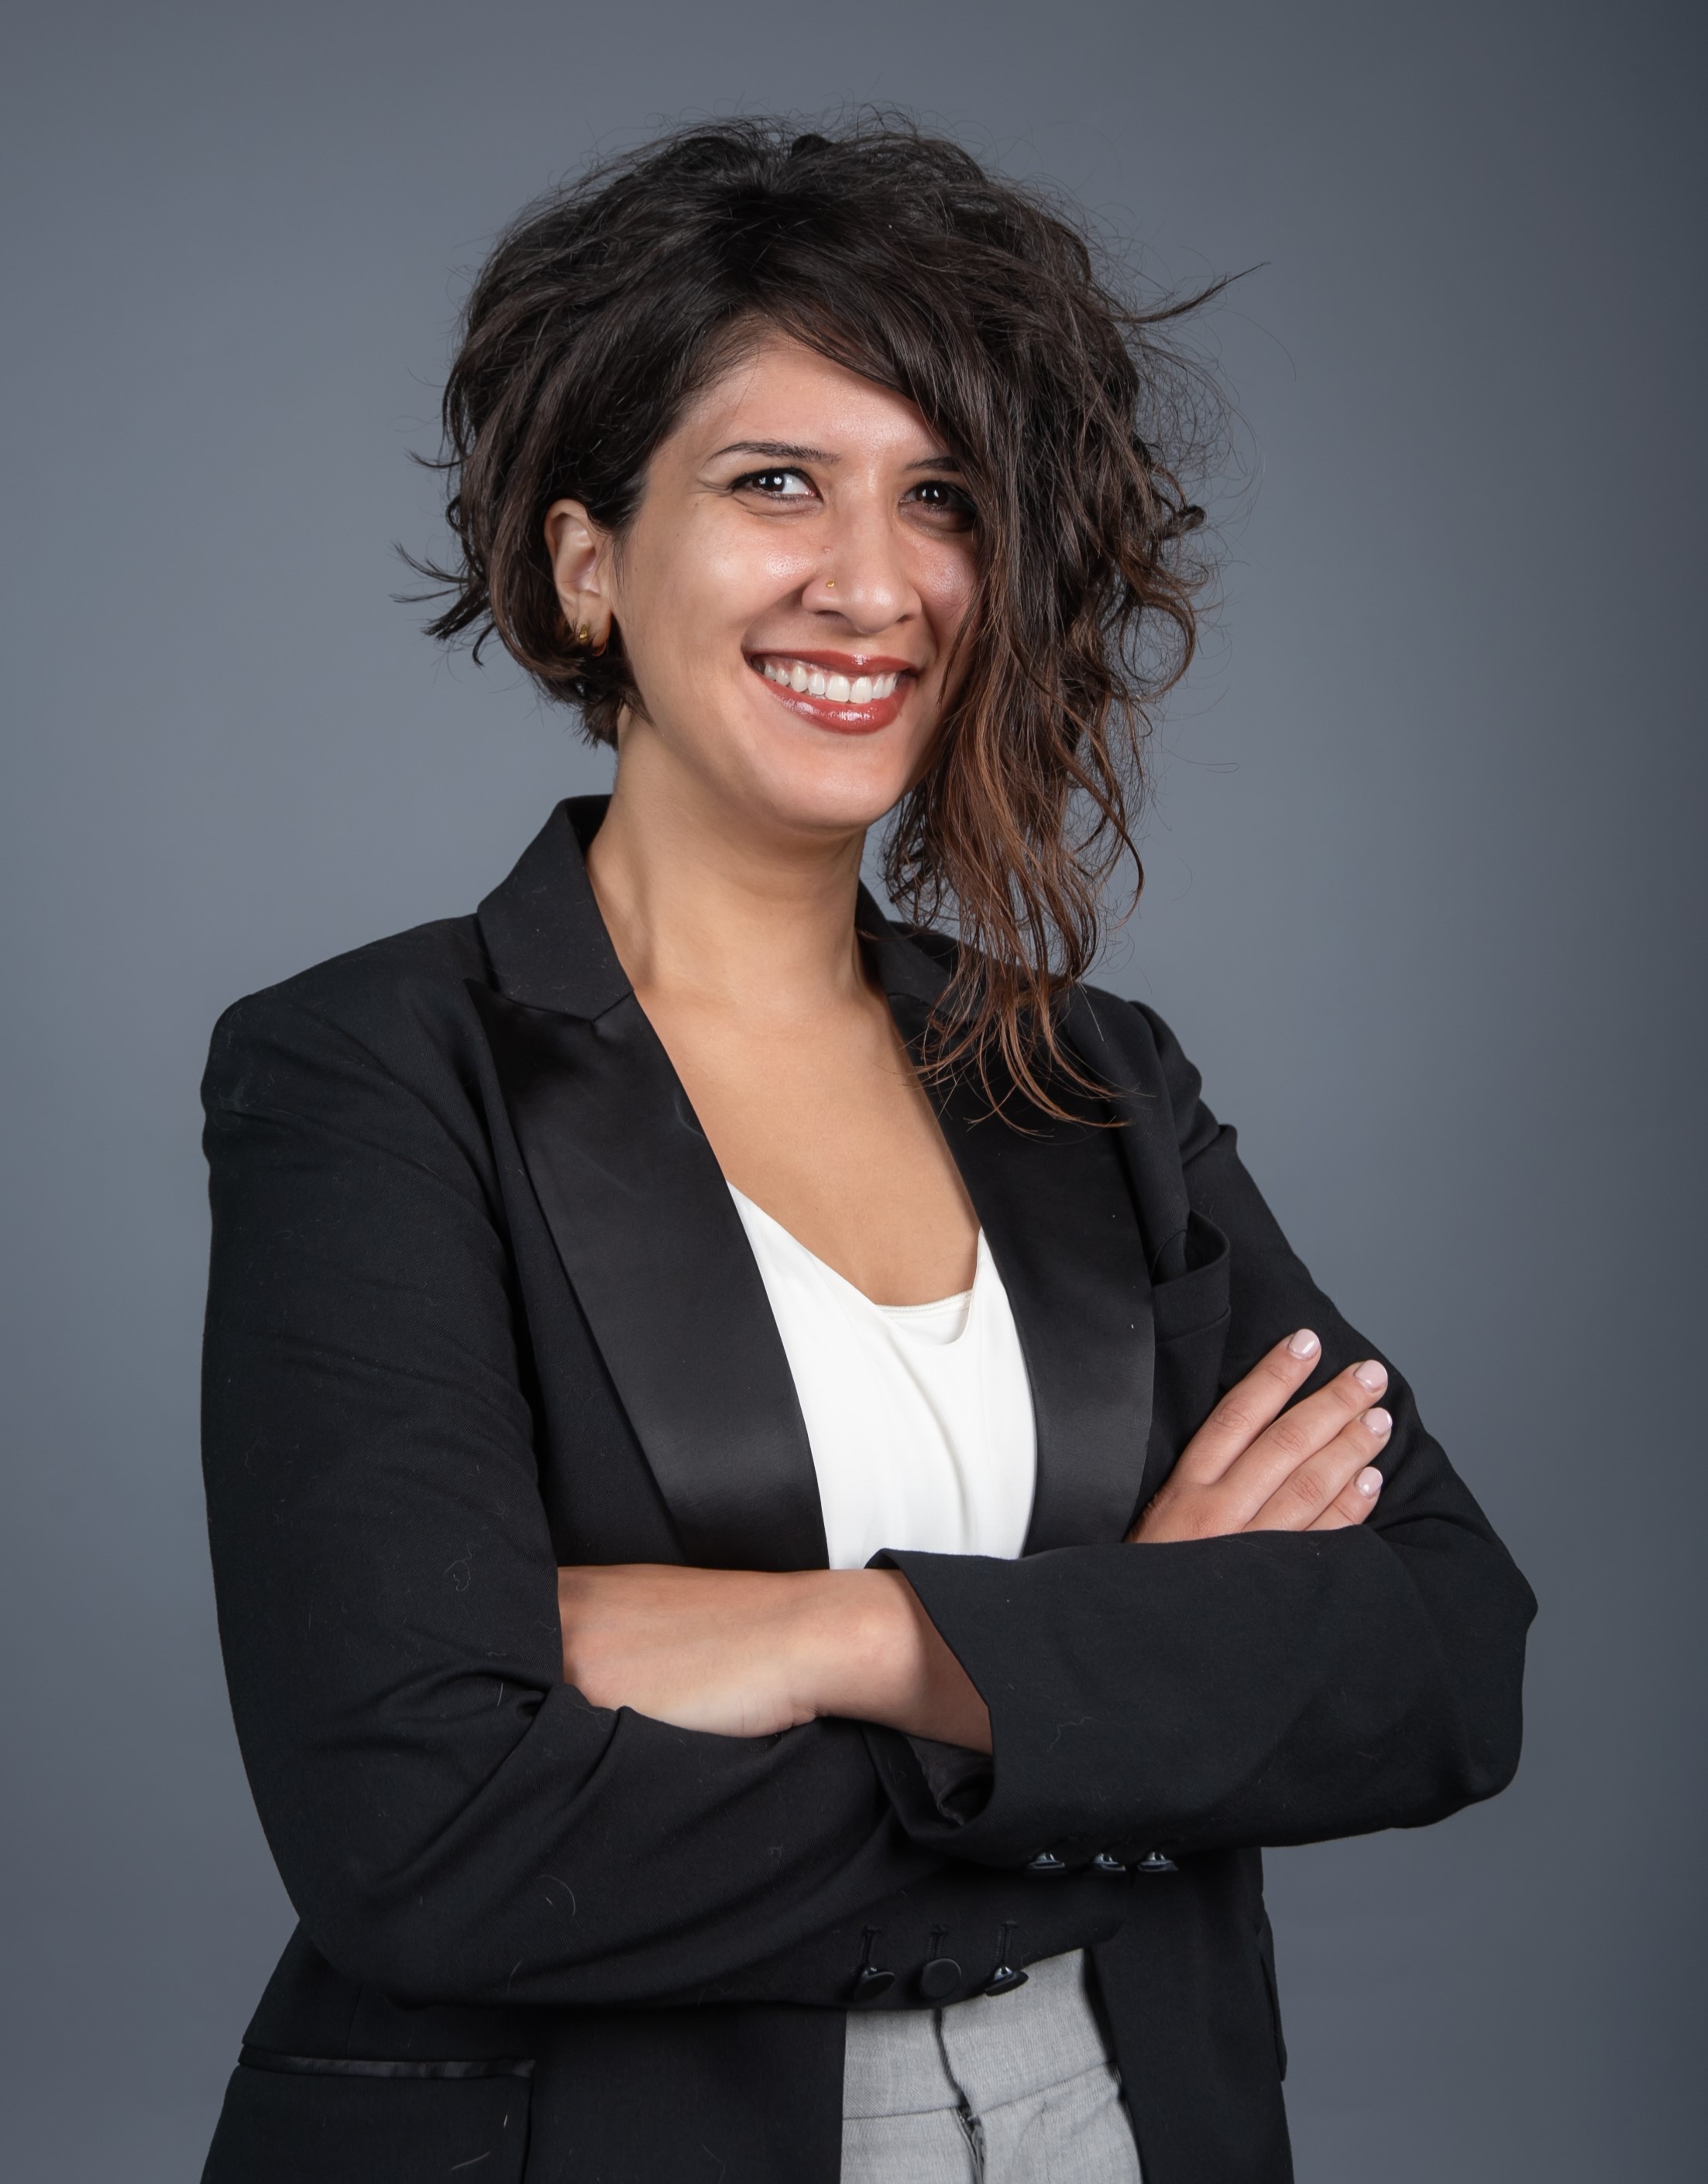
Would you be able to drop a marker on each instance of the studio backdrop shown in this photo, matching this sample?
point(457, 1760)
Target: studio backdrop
point(1424, 895)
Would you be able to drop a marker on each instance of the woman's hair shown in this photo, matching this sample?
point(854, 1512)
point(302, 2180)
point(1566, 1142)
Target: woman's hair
point(609, 304)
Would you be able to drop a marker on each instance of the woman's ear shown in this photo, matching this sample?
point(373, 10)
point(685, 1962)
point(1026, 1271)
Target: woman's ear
point(580, 555)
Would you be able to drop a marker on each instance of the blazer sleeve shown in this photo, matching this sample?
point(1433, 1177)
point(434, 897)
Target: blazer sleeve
point(452, 1821)
point(1267, 1688)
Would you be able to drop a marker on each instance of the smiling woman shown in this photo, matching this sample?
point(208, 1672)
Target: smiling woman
point(1049, 416)
point(786, 1522)
point(891, 519)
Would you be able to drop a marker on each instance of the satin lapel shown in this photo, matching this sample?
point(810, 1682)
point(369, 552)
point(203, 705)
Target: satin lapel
point(643, 1221)
point(1056, 1207)
point(1104, 1033)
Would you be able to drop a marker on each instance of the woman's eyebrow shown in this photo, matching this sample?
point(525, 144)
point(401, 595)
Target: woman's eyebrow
point(781, 450)
point(786, 451)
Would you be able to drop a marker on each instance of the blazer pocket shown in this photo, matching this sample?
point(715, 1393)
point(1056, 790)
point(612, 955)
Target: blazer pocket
point(1195, 1300)
point(1189, 1314)
point(313, 2119)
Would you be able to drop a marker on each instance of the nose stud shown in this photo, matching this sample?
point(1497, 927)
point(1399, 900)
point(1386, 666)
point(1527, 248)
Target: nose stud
point(831, 585)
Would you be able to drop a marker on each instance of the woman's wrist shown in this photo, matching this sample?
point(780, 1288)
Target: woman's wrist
point(868, 1651)
point(857, 1648)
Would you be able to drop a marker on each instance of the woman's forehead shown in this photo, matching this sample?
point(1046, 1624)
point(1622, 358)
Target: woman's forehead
point(781, 400)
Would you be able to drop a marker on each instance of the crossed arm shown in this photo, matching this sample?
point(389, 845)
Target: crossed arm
point(431, 1748)
point(750, 1653)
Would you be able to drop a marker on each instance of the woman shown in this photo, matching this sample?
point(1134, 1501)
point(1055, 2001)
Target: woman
point(785, 1520)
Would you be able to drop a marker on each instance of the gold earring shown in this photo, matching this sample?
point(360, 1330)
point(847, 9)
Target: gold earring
point(584, 635)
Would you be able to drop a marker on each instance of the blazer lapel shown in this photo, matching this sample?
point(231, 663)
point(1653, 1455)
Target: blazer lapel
point(642, 1220)
point(1054, 1203)
point(661, 1265)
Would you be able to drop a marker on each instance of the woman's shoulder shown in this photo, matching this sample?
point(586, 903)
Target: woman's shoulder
point(1134, 1051)
point(1126, 1043)
point(400, 1004)
point(1134, 1028)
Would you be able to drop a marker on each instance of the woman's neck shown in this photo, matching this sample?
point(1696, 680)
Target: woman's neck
point(708, 903)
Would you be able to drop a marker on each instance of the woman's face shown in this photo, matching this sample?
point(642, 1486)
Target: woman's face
point(789, 592)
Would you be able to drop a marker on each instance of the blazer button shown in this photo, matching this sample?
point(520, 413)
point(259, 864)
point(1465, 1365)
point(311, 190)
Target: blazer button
point(1104, 1862)
point(939, 1979)
point(1007, 1976)
point(1045, 1862)
point(1154, 1862)
point(872, 1979)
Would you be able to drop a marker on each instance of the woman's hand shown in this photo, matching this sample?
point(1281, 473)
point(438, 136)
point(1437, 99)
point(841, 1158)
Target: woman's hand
point(1252, 1468)
point(749, 1652)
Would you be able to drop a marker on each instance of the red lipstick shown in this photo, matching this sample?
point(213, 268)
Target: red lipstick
point(839, 713)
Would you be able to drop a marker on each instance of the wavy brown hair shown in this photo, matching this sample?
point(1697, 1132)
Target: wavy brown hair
point(609, 304)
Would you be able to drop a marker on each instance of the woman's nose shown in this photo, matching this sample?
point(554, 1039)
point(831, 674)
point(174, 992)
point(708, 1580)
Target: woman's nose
point(863, 575)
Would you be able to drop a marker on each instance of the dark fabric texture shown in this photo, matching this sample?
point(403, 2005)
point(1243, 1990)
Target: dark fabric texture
point(480, 1305)
point(284, 2127)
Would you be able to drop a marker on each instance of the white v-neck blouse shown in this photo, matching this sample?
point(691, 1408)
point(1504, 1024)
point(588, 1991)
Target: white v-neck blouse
point(920, 1415)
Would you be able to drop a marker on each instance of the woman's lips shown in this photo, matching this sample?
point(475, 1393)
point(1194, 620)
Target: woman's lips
point(834, 670)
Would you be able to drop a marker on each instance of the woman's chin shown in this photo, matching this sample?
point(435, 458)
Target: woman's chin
point(824, 787)
point(829, 799)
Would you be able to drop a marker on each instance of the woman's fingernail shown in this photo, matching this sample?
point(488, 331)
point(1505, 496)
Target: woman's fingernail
point(1370, 1375)
point(1369, 1481)
point(1379, 1422)
point(1304, 1343)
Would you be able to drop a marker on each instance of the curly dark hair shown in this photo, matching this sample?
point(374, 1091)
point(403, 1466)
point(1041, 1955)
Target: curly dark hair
point(610, 304)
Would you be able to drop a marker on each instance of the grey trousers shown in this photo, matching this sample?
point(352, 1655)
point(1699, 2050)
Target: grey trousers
point(1007, 2089)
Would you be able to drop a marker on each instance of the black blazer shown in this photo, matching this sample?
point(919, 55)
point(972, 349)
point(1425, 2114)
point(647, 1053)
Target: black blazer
point(480, 1304)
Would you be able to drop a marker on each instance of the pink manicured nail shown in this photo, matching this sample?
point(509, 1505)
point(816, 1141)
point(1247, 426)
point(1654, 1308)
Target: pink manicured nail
point(1379, 1422)
point(1372, 1375)
point(1369, 1481)
point(1304, 1343)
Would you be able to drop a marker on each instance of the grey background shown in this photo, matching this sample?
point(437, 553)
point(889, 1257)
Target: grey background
point(1424, 899)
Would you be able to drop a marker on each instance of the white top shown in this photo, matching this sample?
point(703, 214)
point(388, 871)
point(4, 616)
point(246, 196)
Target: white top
point(919, 1415)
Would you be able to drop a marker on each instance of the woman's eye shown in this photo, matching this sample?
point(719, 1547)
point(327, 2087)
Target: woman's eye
point(940, 499)
point(776, 485)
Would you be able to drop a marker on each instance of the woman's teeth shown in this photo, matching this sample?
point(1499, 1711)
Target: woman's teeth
point(819, 682)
